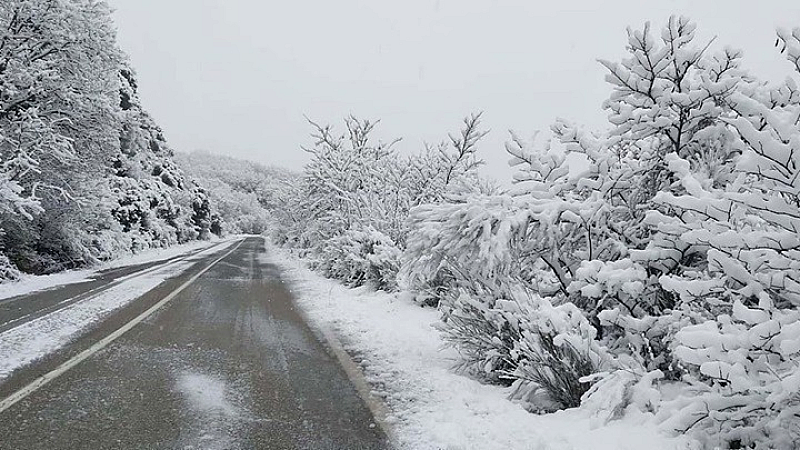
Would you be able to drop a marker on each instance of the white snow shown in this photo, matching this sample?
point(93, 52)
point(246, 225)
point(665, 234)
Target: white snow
point(205, 394)
point(32, 283)
point(212, 426)
point(431, 406)
point(32, 340)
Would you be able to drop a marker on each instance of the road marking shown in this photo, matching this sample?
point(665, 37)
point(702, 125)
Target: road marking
point(94, 292)
point(166, 262)
point(380, 412)
point(101, 344)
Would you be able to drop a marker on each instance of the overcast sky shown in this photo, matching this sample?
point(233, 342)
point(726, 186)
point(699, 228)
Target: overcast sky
point(236, 77)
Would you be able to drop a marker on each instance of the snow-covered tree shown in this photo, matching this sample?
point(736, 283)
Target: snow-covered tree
point(73, 135)
point(249, 197)
point(357, 194)
point(58, 89)
point(743, 358)
point(153, 196)
point(346, 207)
point(239, 190)
point(676, 239)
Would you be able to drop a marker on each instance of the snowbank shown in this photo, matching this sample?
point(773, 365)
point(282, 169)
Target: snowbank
point(32, 283)
point(431, 406)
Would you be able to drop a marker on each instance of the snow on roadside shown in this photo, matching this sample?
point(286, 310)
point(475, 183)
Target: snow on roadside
point(32, 283)
point(40, 337)
point(432, 407)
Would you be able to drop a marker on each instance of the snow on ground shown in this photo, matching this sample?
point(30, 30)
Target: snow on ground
point(33, 283)
point(213, 422)
point(32, 340)
point(432, 407)
point(205, 393)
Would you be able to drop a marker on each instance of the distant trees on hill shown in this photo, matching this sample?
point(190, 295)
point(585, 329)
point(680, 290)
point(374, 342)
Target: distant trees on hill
point(247, 196)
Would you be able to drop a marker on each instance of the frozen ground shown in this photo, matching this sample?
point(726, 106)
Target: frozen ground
point(431, 406)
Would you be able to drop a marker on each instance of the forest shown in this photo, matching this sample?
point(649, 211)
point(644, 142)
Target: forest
point(651, 268)
point(85, 172)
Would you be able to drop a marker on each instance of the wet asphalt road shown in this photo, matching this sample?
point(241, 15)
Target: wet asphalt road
point(17, 310)
point(227, 364)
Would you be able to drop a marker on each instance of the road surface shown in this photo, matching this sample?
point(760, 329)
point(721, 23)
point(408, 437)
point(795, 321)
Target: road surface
point(17, 310)
point(226, 364)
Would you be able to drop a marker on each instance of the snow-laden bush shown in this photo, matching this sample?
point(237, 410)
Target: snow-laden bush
point(482, 335)
point(458, 245)
point(725, 248)
point(7, 270)
point(544, 351)
point(360, 257)
point(557, 350)
point(351, 209)
point(744, 378)
point(743, 359)
point(674, 234)
point(145, 207)
point(470, 256)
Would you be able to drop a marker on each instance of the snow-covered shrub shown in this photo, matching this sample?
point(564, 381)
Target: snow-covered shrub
point(359, 257)
point(7, 270)
point(202, 216)
point(490, 248)
point(528, 342)
point(351, 209)
point(524, 245)
point(675, 237)
point(498, 240)
point(618, 393)
point(146, 207)
point(742, 361)
point(723, 247)
point(482, 335)
point(744, 378)
point(557, 349)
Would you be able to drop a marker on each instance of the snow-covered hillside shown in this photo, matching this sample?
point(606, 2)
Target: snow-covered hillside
point(646, 297)
point(247, 196)
point(85, 173)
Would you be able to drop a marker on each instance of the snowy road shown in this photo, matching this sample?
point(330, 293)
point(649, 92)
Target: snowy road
point(226, 364)
point(17, 310)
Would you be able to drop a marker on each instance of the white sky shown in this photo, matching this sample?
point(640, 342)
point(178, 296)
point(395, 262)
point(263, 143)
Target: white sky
point(236, 76)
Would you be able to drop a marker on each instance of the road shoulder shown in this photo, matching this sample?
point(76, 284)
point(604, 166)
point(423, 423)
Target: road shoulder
point(397, 347)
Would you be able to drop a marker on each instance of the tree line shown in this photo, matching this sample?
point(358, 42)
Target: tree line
point(85, 172)
point(660, 276)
